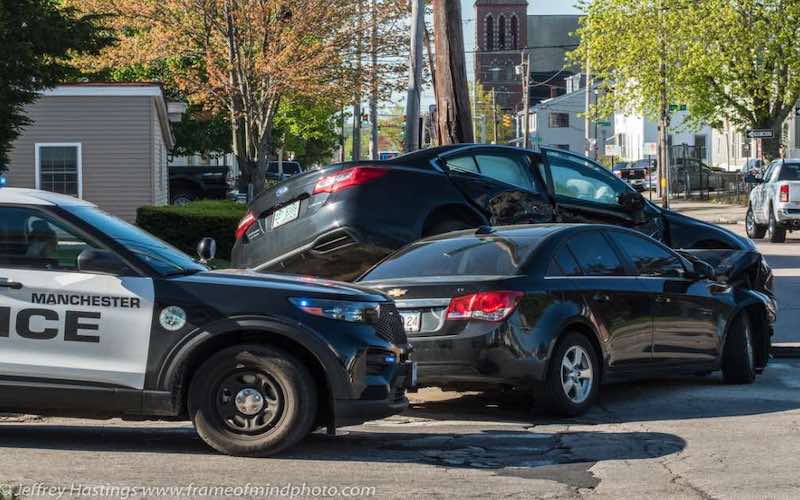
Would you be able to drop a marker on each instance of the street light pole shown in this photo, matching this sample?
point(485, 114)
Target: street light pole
point(415, 75)
point(526, 118)
point(494, 116)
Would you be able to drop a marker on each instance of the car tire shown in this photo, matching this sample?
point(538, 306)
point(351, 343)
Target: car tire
point(446, 226)
point(738, 357)
point(557, 395)
point(775, 232)
point(755, 230)
point(233, 419)
point(183, 198)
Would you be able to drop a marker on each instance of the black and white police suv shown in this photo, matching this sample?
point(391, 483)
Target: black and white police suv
point(100, 319)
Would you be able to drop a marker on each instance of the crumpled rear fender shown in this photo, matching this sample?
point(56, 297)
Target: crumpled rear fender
point(746, 269)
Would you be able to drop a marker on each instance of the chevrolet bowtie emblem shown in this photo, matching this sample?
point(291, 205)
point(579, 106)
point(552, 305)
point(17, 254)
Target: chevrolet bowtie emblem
point(396, 292)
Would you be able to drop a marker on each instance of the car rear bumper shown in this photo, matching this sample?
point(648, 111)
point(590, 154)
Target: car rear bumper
point(788, 214)
point(496, 357)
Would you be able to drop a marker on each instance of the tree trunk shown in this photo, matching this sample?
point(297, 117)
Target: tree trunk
point(453, 113)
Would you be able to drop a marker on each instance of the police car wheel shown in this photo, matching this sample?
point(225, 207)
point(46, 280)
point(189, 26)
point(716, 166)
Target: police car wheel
point(252, 400)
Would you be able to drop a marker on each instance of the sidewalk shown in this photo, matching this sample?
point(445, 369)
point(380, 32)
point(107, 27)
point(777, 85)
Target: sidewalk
point(709, 211)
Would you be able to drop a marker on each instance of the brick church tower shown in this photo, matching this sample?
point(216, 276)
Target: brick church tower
point(501, 34)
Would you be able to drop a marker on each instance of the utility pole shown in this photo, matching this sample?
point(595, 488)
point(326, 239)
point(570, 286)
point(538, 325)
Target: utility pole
point(587, 120)
point(663, 123)
point(415, 62)
point(526, 118)
point(452, 95)
point(359, 78)
point(494, 116)
point(373, 82)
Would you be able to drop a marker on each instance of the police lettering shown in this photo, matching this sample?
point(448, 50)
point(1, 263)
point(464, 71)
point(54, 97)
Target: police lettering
point(76, 324)
point(59, 299)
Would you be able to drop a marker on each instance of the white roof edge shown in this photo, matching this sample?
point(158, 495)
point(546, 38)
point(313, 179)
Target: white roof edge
point(104, 90)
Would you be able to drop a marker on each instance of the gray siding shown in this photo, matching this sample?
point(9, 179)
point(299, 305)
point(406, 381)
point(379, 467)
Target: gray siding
point(117, 147)
point(160, 180)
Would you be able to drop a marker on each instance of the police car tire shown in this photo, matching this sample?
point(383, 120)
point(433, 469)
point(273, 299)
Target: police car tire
point(299, 405)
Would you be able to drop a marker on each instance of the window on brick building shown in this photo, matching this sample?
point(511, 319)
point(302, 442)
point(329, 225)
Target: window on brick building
point(489, 33)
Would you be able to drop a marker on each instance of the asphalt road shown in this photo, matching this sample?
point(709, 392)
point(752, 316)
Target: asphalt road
point(679, 438)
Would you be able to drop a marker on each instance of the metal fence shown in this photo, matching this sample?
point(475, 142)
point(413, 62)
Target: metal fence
point(692, 178)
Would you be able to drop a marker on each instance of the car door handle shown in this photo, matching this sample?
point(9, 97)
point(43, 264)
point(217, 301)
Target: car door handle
point(601, 297)
point(4, 283)
point(663, 300)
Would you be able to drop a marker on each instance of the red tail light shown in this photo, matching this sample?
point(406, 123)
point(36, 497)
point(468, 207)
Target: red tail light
point(349, 177)
point(486, 306)
point(785, 193)
point(245, 224)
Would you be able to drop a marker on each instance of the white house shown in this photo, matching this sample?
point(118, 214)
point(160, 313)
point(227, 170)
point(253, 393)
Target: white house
point(559, 121)
point(634, 131)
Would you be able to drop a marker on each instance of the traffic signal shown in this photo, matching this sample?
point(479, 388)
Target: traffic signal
point(508, 121)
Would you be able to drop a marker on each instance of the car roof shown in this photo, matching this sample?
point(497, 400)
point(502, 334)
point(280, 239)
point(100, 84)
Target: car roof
point(533, 231)
point(20, 196)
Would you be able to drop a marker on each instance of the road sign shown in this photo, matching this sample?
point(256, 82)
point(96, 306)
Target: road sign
point(604, 123)
point(760, 134)
point(650, 148)
point(613, 150)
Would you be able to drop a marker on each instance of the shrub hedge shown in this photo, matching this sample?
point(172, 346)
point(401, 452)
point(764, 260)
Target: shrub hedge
point(185, 226)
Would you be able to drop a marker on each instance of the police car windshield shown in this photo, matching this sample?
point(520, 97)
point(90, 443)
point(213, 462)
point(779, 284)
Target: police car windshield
point(159, 255)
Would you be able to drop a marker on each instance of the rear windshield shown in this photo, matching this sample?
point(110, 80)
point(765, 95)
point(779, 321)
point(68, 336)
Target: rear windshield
point(460, 256)
point(790, 172)
point(633, 174)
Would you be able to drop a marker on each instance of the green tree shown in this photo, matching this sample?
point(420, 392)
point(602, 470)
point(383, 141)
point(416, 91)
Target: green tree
point(37, 40)
point(743, 63)
point(307, 128)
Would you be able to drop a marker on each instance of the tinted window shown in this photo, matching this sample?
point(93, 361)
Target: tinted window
point(595, 255)
point(584, 180)
point(467, 256)
point(32, 240)
point(564, 264)
point(512, 171)
point(159, 255)
point(464, 164)
point(649, 258)
point(790, 172)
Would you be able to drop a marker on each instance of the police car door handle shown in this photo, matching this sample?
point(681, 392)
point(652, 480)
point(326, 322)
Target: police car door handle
point(4, 283)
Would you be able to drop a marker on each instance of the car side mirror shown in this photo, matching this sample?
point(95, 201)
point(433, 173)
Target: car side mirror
point(96, 261)
point(632, 202)
point(701, 271)
point(753, 179)
point(206, 250)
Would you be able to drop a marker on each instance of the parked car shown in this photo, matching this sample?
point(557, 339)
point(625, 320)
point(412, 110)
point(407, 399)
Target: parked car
point(695, 175)
point(636, 174)
point(774, 205)
point(290, 169)
point(558, 309)
point(341, 220)
point(100, 319)
point(187, 184)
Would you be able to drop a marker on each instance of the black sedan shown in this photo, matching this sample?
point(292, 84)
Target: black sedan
point(558, 309)
point(339, 221)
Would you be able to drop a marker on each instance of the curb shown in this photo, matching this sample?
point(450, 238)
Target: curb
point(786, 350)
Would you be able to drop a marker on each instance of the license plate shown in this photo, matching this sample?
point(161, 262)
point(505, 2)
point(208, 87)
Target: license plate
point(411, 321)
point(286, 214)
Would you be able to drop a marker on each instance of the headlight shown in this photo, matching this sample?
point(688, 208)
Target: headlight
point(343, 310)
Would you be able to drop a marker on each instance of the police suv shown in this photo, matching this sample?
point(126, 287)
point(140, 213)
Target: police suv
point(100, 319)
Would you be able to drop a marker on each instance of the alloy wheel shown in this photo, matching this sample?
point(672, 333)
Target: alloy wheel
point(577, 375)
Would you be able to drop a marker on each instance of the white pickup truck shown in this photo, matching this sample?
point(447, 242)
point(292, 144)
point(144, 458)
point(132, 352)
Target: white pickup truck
point(774, 206)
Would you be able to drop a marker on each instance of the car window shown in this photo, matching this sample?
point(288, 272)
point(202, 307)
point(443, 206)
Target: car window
point(513, 171)
point(649, 258)
point(583, 180)
point(32, 240)
point(564, 263)
point(595, 256)
point(458, 256)
point(790, 172)
point(463, 164)
point(768, 173)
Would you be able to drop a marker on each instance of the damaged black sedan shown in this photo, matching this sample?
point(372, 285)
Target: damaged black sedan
point(558, 309)
point(339, 221)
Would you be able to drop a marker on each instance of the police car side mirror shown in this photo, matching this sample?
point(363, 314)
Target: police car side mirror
point(96, 261)
point(631, 201)
point(206, 250)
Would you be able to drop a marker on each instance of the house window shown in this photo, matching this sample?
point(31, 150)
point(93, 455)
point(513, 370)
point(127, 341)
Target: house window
point(700, 146)
point(58, 169)
point(501, 33)
point(514, 33)
point(559, 120)
point(490, 33)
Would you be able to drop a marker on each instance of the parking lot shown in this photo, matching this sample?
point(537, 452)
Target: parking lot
point(687, 437)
